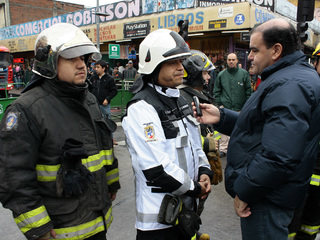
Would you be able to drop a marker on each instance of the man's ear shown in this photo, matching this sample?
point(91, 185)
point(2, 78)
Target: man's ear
point(277, 48)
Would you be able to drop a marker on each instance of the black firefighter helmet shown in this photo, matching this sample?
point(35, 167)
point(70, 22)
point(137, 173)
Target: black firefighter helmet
point(194, 66)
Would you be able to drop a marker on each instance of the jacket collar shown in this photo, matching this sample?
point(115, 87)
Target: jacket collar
point(169, 92)
point(64, 89)
point(282, 63)
point(232, 70)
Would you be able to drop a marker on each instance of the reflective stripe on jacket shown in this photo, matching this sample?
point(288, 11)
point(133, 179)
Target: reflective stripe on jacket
point(47, 115)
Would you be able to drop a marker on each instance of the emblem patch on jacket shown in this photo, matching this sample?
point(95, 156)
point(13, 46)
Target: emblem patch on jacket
point(11, 121)
point(149, 132)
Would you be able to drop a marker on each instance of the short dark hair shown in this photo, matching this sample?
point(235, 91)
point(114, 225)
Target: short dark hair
point(287, 36)
point(102, 63)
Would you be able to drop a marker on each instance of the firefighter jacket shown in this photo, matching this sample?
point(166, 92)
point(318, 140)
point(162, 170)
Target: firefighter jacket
point(165, 149)
point(32, 133)
point(315, 178)
point(275, 139)
point(104, 87)
point(232, 88)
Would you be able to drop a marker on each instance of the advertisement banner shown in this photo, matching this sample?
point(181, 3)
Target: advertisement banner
point(268, 4)
point(136, 30)
point(86, 17)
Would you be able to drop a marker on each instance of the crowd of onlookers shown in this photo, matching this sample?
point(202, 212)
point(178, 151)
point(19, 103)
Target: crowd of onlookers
point(21, 75)
point(119, 72)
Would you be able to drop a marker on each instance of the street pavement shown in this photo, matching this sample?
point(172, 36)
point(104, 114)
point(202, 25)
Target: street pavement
point(218, 219)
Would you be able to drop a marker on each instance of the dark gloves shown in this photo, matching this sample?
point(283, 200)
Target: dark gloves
point(73, 178)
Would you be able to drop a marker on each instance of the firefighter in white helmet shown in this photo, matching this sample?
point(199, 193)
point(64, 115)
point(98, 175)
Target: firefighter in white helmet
point(171, 169)
point(58, 175)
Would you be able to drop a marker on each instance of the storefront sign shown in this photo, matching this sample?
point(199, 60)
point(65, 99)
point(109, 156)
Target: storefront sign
point(135, 30)
point(268, 4)
point(114, 51)
point(245, 37)
point(214, 24)
point(225, 12)
point(239, 19)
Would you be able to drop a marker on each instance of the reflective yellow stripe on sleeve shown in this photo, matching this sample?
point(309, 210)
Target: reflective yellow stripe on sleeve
point(216, 135)
point(202, 141)
point(194, 237)
point(32, 219)
point(315, 180)
point(112, 176)
point(291, 236)
point(48, 173)
point(311, 230)
point(85, 230)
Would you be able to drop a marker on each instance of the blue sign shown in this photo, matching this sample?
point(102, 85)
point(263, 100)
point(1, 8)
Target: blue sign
point(239, 19)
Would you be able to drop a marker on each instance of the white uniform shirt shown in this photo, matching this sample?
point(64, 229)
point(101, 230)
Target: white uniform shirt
point(180, 157)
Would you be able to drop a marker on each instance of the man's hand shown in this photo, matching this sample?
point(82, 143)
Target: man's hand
point(205, 186)
point(48, 235)
point(210, 113)
point(112, 196)
point(105, 102)
point(241, 208)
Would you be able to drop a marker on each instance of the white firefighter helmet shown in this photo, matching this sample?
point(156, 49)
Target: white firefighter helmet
point(159, 46)
point(62, 39)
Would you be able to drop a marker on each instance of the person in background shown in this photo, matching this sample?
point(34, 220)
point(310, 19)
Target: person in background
point(103, 87)
point(197, 70)
point(116, 74)
point(130, 72)
point(232, 89)
point(255, 79)
point(120, 67)
point(171, 170)
point(108, 69)
point(58, 172)
point(275, 138)
point(306, 221)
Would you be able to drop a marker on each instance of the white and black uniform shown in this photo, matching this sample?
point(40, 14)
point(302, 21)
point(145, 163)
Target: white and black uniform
point(166, 152)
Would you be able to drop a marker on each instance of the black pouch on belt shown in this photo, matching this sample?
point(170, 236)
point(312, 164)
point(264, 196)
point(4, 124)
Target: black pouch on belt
point(169, 210)
point(73, 178)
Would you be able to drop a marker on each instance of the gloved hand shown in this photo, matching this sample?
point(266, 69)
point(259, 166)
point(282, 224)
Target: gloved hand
point(189, 222)
point(73, 178)
point(215, 163)
point(209, 144)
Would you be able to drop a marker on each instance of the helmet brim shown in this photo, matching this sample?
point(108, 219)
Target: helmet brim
point(78, 51)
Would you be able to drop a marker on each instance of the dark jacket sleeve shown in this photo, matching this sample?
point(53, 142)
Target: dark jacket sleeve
point(227, 121)
point(18, 176)
point(112, 89)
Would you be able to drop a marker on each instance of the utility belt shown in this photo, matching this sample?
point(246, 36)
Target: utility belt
point(173, 212)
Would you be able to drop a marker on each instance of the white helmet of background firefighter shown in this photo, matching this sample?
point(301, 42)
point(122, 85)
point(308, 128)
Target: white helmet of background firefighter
point(62, 39)
point(159, 46)
point(194, 66)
